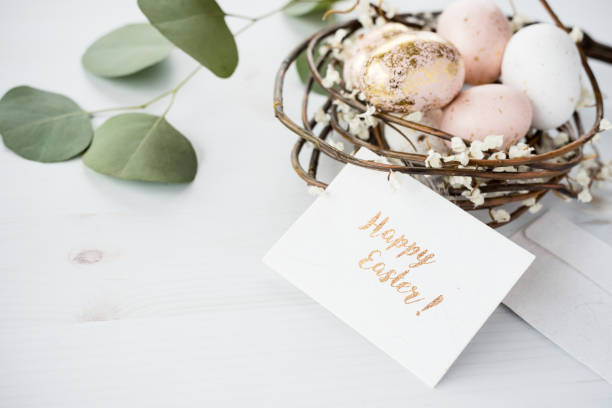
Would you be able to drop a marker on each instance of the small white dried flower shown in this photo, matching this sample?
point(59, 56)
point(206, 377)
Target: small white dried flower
point(585, 196)
point(505, 169)
point(606, 172)
point(368, 117)
point(380, 21)
point(498, 156)
point(561, 139)
point(433, 159)
point(459, 181)
point(415, 117)
point(475, 196)
point(335, 41)
point(476, 149)
point(493, 142)
point(529, 202)
point(458, 145)
point(519, 20)
point(361, 96)
point(587, 98)
point(331, 77)
point(534, 207)
point(358, 128)
point(576, 34)
point(520, 150)
point(583, 178)
point(605, 125)
point(321, 117)
point(500, 215)
point(364, 13)
point(316, 191)
point(462, 158)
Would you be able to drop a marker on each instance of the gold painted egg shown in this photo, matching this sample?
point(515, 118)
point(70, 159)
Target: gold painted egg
point(414, 71)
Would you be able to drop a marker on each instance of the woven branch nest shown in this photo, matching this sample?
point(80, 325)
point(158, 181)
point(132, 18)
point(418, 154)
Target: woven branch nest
point(537, 175)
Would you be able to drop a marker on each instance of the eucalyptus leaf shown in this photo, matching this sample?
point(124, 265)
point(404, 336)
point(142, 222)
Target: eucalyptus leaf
point(138, 146)
point(299, 8)
point(197, 27)
point(126, 50)
point(301, 65)
point(43, 126)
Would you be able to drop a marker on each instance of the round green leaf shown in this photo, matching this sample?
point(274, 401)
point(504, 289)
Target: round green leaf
point(297, 8)
point(126, 50)
point(138, 146)
point(43, 126)
point(197, 27)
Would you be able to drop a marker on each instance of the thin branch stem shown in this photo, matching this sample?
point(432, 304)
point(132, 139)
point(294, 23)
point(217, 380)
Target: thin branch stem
point(240, 16)
point(253, 20)
point(172, 98)
point(334, 11)
point(133, 107)
point(159, 97)
point(172, 92)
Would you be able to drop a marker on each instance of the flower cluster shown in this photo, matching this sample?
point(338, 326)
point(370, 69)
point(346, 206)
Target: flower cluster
point(463, 154)
point(359, 124)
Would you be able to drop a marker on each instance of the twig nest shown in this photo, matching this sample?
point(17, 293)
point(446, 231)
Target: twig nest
point(542, 61)
point(480, 31)
point(414, 71)
point(485, 110)
point(364, 44)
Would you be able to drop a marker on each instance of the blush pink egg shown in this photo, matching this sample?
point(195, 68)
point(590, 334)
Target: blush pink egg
point(488, 110)
point(480, 31)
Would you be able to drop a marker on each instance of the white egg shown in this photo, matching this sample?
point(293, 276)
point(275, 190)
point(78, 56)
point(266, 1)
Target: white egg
point(542, 61)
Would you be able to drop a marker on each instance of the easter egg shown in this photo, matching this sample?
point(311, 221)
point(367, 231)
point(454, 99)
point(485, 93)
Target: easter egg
point(543, 62)
point(414, 71)
point(484, 110)
point(364, 44)
point(417, 142)
point(480, 31)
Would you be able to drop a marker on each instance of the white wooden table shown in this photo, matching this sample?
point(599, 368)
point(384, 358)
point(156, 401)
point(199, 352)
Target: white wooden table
point(127, 294)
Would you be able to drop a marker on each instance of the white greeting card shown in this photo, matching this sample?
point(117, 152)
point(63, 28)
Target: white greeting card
point(404, 267)
point(567, 293)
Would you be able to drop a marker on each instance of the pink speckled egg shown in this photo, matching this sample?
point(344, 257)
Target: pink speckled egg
point(414, 71)
point(480, 31)
point(488, 110)
point(364, 44)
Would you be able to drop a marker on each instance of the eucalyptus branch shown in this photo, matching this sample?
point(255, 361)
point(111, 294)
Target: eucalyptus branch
point(60, 129)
